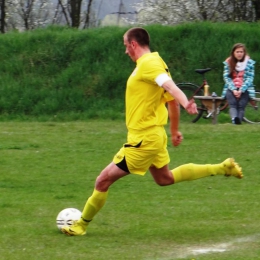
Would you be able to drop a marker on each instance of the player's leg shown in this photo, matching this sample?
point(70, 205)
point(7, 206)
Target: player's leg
point(97, 200)
point(162, 176)
point(189, 172)
point(138, 161)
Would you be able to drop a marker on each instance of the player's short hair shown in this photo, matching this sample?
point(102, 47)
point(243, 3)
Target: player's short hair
point(140, 35)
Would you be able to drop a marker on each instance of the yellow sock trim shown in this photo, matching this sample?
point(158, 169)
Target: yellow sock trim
point(94, 203)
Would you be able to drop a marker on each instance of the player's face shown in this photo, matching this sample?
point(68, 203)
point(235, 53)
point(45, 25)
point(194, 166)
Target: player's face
point(129, 48)
point(239, 53)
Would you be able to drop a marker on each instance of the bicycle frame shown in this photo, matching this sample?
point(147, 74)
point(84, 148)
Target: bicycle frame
point(202, 72)
point(191, 90)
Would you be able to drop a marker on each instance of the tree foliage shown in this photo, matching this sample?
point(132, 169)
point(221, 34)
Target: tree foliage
point(31, 14)
point(174, 12)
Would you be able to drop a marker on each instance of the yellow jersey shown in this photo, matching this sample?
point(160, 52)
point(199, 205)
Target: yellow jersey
point(145, 99)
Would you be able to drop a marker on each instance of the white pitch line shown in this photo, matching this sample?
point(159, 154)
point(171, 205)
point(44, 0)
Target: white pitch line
point(217, 248)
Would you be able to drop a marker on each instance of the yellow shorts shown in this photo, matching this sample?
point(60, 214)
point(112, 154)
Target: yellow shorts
point(142, 150)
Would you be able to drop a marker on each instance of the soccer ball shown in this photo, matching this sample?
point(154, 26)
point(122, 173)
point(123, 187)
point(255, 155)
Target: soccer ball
point(67, 216)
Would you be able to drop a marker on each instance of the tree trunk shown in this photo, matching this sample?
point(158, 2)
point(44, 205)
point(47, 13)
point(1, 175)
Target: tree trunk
point(2, 17)
point(86, 25)
point(75, 12)
point(256, 4)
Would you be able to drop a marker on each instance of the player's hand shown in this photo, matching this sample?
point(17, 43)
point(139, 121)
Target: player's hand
point(191, 107)
point(177, 138)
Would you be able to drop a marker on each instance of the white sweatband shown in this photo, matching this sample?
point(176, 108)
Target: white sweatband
point(162, 78)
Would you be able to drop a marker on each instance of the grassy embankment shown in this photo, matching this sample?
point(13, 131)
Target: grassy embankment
point(64, 74)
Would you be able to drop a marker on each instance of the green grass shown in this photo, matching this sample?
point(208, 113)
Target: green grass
point(46, 167)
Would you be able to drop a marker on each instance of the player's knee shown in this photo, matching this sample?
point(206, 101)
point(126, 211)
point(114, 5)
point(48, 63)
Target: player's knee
point(164, 182)
point(102, 183)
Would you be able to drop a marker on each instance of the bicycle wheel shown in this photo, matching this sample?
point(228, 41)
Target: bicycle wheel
point(190, 90)
point(252, 111)
point(223, 105)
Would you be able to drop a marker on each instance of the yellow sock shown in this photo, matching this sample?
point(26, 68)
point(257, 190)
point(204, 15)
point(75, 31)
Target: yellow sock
point(94, 203)
point(189, 172)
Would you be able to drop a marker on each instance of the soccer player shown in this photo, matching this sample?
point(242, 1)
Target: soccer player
point(148, 89)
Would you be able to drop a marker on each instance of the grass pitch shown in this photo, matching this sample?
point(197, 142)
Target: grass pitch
point(46, 167)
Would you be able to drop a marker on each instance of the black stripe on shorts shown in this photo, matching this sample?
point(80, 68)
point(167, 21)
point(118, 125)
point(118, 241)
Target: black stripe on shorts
point(122, 165)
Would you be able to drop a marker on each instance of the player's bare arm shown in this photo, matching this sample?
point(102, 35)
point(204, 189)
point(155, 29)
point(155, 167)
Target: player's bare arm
point(174, 116)
point(189, 105)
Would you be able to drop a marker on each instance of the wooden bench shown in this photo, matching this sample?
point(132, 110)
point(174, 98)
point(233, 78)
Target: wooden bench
point(212, 103)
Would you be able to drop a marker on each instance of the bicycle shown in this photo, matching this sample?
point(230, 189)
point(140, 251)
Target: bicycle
point(252, 111)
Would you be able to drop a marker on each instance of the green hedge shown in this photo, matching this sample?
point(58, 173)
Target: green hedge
point(64, 73)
